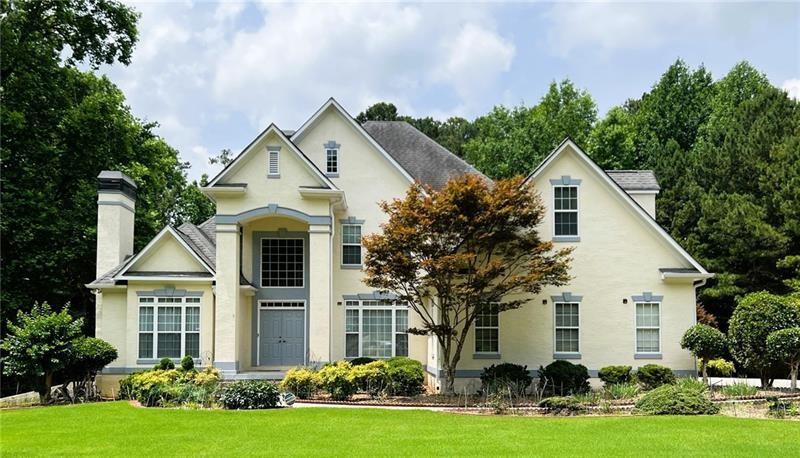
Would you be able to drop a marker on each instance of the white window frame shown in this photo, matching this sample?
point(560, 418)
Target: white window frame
point(636, 328)
point(261, 262)
point(277, 171)
point(359, 305)
point(336, 161)
point(497, 328)
point(576, 211)
point(177, 302)
point(556, 328)
point(359, 245)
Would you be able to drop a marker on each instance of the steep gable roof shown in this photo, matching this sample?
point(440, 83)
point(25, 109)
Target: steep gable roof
point(427, 161)
point(635, 180)
point(622, 194)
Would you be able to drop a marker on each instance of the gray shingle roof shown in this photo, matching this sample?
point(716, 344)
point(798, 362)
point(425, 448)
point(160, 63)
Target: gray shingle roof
point(635, 180)
point(199, 242)
point(425, 160)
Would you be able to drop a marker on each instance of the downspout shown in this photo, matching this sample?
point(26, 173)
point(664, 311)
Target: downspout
point(330, 280)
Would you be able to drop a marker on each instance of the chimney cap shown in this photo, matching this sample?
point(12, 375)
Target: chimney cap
point(116, 175)
point(113, 181)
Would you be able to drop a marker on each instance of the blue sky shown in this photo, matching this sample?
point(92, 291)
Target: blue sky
point(213, 75)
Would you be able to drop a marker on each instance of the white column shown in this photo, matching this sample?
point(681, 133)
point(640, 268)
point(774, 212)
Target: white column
point(226, 330)
point(319, 338)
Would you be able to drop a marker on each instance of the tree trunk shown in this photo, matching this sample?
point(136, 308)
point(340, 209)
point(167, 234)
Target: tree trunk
point(45, 386)
point(704, 370)
point(794, 377)
point(450, 378)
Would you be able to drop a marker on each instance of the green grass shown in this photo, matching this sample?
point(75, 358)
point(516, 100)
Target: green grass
point(114, 429)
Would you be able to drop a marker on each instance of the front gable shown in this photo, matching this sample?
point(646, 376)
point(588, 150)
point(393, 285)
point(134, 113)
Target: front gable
point(166, 254)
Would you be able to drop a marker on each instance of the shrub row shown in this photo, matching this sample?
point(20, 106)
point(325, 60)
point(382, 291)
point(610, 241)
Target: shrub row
point(171, 387)
point(399, 376)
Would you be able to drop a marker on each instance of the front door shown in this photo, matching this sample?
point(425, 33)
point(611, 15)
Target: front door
point(281, 334)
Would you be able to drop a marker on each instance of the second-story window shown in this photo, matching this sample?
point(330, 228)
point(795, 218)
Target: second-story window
point(565, 207)
point(351, 244)
point(332, 160)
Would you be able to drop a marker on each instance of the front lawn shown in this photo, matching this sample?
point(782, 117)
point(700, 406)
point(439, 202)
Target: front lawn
point(120, 429)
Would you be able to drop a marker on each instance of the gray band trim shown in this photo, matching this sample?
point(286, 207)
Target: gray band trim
point(566, 356)
point(170, 292)
point(116, 203)
point(273, 209)
point(566, 297)
point(565, 180)
point(593, 373)
point(273, 176)
point(566, 238)
point(273, 148)
point(332, 175)
point(227, 365)
point(331, 145)
point(352, 266)
point(486, 356)
point(647, 297)
point(122, 370)
point(375, 295)
point(351, 220)
point(647, 356)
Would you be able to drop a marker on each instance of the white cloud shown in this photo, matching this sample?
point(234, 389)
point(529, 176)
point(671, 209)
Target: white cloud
point(792, 87)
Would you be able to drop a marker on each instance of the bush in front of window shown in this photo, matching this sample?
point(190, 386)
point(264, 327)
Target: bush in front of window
point(677, 399)
point(361, 360)
point(171, 387)
point(614, 375)
point(164, 364)
point(249, 395)
point(563, 378)
point(372, 378)
point(505, 377)
point(652, 376)
point(406, 376)
point(303, 382)
point(335, 379)
point(187, 363)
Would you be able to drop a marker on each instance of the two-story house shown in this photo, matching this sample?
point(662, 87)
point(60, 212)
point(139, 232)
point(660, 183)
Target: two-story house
point(274, 279)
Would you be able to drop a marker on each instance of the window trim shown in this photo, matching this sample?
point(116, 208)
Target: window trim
point(567, 238)
point(360, 307)
point(636, 327)
point(261, 261)
point(277, 153)
point(359, 245)
point(183, 305)
point(483, 354)
point(566, 354)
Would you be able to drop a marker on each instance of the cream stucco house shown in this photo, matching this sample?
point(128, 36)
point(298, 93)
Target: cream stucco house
point(274, 279)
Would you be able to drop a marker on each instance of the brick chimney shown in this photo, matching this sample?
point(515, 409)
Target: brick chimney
point(116, 207)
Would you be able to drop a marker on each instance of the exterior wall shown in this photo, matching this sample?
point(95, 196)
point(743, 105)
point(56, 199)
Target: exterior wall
point(115, 215)
point(111, 322)
point(647, 201)
point(168, 256)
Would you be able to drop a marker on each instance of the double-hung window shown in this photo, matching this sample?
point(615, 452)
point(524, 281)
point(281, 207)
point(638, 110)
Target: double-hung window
point(565, 206)
point(169, 327)
point(567, 327)
point(332, 161)
point(351, 244)
point(273, 163)
point(376, 329)
point(648, 327)
point(487, 330)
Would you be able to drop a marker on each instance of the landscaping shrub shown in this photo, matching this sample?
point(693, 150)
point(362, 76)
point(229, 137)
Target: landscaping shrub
point(677, 399)
point(361, 361)
point(88, 357)
point(720, 368)
point(504, 377)
point(300, 381)
point(562, 405)
point(249, 394)
point(171, 387)
point(780, 408)
point(563, 378)
point(627, 390)
point(372, 378)
point(335, 379)
point(738, 389)
point(613, 375)
point(187, 363)
point(406, 376)
point(164, 364)
point(653, 375)
point(705, 343)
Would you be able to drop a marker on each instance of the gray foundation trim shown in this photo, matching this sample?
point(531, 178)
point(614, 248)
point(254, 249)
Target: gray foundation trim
point(486, 356)
point(273, 209)
point(566, 238)
point(227, 365)
point(593, 373)
point(170, 292)
point(331, 145)
point(375, 295)
point(122, 370)
point(565, 180)
point(647, 297)
point(566, 356)
point(566, 297)
point(116, 203)
point(647, 356)
point(176, 361)
point(351, 220)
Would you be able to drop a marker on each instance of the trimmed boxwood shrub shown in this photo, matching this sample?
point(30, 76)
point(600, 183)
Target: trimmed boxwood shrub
point(336, 380)
point(164, 365)
point(561, 405)
point(614, 375)
point(187, 363)
point(300, 381)
point(563, 378)
point(406, 376)
point(505, 376)
point(361, 361)
point(372, 378)
point(680, 399)
point(652, 376)
point(249, 394)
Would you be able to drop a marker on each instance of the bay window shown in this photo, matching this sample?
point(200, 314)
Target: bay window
point(376, 328)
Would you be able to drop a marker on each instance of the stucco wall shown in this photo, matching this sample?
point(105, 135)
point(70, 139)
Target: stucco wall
point(167, 255)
